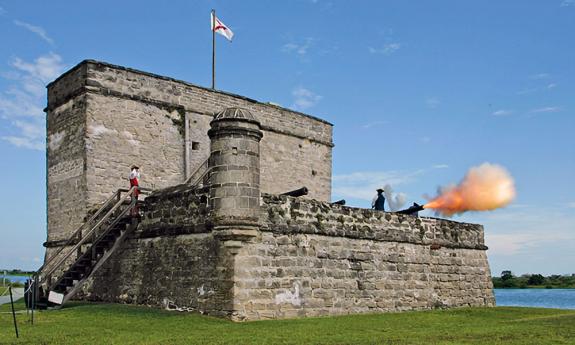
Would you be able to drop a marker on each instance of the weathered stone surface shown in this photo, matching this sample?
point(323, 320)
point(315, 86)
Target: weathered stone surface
point(234, 168)
point(293, 277)
point(66, 161)
point(296, 270)
point(103, 118)
point(284, 214)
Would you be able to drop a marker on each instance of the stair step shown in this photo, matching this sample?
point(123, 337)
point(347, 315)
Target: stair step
point(83, 264)
point(75, 275)
point(61, 288)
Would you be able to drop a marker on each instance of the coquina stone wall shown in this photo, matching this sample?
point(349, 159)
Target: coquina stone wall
point(103, 118)
point(309, 258)
point(171, 261)
point(314, 258)
point(66, 159)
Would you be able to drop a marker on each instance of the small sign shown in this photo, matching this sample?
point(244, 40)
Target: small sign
point(55, 297)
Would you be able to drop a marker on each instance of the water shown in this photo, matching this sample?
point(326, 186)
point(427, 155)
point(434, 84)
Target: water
point(15, 279)
point(544, 298)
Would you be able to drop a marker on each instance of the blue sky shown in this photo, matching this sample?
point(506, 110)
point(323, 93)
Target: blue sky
point(419, 92)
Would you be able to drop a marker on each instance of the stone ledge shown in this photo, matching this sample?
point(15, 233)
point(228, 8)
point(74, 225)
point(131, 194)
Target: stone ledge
point(289, 215)
point(169, 106)
point(156, 76)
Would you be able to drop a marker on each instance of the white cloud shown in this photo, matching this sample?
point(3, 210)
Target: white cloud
point(539, 76)
point(567, 3)
point(45, 68)
point(387, 49)
point(35, 29)
point(300, 49)
point(362, 184)
point(525, 229)
point(513, 244)
point(571, 204)
point(24, 142)
point(546, 110)
point(541, 82)
point(526, 91)
point(432, 102)
point(440, 166)
point(502, 112)
point(22, 102)
point(304, 98)
point(389, 44)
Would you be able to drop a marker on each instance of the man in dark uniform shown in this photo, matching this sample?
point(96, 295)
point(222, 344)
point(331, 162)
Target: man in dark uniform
point(378, 201)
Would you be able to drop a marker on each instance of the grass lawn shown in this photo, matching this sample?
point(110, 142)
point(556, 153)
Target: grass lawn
point(84, 323)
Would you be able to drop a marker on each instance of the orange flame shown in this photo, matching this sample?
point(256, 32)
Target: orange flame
point(483, 188)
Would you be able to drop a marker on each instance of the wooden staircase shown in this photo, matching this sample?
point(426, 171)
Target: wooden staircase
point(199, 177)
point(89, 247)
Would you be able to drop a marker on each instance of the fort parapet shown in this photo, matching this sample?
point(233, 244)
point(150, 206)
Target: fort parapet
point(309, 258)
point(231, 246)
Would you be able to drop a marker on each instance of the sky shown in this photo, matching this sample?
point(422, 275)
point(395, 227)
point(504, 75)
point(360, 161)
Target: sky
point(418, 92)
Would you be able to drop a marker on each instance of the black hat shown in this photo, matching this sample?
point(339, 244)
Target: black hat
point(134, 167)
point(379, 190)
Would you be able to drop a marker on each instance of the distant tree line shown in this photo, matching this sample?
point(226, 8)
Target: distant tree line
point(508, 280)
point(15, 272)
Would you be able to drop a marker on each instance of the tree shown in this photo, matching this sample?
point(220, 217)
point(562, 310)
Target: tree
point(506, 275)
point(536, 279)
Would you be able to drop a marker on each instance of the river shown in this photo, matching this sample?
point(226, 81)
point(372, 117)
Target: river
point(16, 279)
point(544, 298)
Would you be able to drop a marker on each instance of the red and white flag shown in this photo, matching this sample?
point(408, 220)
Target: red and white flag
point(221, 28)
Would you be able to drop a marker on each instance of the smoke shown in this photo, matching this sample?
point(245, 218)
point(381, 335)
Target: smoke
point(395, 201)
point(486, 187)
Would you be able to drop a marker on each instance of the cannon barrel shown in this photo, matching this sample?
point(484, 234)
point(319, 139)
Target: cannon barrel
point(297, 192)
point(412, 210)
point(339, 202)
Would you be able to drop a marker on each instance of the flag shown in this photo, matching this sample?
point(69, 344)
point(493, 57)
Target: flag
point(221, 28)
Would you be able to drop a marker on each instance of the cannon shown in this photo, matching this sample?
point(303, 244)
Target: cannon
point(339, 202)
point(412, 210)
point(297, 192)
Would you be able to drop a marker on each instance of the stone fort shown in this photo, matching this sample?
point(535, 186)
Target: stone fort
point(217, 234)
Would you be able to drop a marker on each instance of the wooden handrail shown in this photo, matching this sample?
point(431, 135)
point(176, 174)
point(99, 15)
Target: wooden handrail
point(117, 195)
point(194, 179)
point(86, 236)
point(75, 234)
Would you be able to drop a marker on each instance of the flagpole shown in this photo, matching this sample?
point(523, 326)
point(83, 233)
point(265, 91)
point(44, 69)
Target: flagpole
point(213, 50)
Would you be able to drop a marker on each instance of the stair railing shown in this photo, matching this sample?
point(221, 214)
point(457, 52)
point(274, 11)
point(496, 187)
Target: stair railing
point(70, 293)
point(83, 238)
point(198, 175)
point(78, 232)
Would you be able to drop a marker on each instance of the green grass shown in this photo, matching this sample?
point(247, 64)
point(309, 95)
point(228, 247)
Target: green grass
point(3, 288)
point(84, 323)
